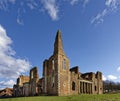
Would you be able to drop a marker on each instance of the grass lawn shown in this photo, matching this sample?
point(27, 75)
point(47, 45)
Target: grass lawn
point(104, 97)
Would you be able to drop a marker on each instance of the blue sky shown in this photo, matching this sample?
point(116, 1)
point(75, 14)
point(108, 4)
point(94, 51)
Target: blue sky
point(90, 32)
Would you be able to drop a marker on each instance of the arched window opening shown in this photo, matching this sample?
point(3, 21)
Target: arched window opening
point(32, 75)
point(64, 64)
point(95, 88)
point(53, 65)
point(73, 85)
point(53, 85)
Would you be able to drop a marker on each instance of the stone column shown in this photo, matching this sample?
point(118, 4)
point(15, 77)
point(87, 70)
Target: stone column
point(90, 88)
point(86, 87)
point(81, 87)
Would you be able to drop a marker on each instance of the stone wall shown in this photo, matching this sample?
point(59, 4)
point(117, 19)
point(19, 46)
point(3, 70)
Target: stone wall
point(26, 89)
point(22, 79)
point(34, 78)
point(74, 83)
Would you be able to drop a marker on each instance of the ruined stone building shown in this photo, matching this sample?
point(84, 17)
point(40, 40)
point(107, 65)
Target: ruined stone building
point(27, 85)
point(18, 88)
point(59, 79)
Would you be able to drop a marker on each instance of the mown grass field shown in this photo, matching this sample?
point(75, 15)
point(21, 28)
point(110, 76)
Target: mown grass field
point(104, 97)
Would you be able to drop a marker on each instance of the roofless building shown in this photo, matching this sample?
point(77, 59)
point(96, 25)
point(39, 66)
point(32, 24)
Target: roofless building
point(59, 79)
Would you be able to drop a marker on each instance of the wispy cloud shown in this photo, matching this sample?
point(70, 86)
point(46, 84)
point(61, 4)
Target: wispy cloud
point(19, 16)
point(32, 5)
point(72, 2)
point(111, 6)
point(10, 67)
point(85, 2)
point(112, 3)
point(49, 6)
point(52, 8)
point(99, 17)
point(4, 3)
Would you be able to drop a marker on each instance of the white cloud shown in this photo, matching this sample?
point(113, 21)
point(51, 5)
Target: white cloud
point(10, 67)
point(8, 83)
point(20, 20)
point(52, 8)
point(99, 17)
point(4, 4)
point(112, 77)
point(108, 2)
point(118, 69)
point(111, 6)
point(32, 4)
point(85, 2)
point(104, 78)
point(19, 16)
point(112, 3)
point(72, 2)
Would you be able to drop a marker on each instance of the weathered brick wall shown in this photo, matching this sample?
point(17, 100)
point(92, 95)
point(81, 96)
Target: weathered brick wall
point(34, 74)
point(74, 81)
point(56, 77)
point(99, 82)
point(97, 87)
point(22, 79)
point(63, 75)
point(26, 89)
point(50, 75)
point(34, 78)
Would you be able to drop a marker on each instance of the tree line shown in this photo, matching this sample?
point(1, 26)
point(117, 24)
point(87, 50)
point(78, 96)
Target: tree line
point(111, 87)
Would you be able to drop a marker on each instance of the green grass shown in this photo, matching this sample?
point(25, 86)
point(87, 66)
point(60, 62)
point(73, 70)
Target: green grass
point(104, 97)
